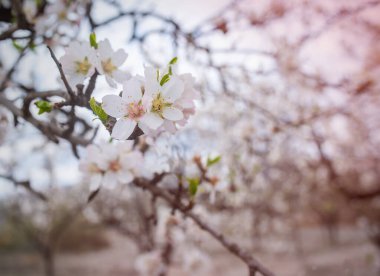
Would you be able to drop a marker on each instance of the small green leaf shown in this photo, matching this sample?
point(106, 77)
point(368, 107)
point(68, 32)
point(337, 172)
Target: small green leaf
point(98, 110)
point(93, 42)
point(170, 71)
point(17, 46)
point(213, 161)
point(32, 46)
point(38, 3)
point(173, 61)
point(43, 107)
point(193, 185)
point(165, 79)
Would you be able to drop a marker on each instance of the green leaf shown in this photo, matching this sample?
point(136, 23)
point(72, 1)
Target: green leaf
point(173, 61)
point(193, 185)
point(213, 161)
point(44, 106)
point(38, 3)
point(98, 110)
point(93, 40)
point(32, 46)
point(165, 79)
point(17, 46)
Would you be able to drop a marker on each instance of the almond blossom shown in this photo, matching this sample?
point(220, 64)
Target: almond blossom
point(109, 62)
point(78, 62)
point(161, 107)
point(129, 108)
point(90, 166)
point(111, 164)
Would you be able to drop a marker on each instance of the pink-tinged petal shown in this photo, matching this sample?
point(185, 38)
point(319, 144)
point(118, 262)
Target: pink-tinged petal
point(123, 129)
point(173, 89)
point(170, 126)
point(152, 120)
point(119, 57)
point(113, 106)
point(132, 91)
point(172, 114)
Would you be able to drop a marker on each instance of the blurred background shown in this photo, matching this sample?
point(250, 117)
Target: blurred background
point(288, 100)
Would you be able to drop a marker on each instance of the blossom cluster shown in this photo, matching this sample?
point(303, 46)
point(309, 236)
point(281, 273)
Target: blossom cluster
point(111, 164)
point(58, 17)
point(81, 60)
point(159, 101)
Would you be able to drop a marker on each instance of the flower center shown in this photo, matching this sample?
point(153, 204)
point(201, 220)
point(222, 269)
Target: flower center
point(93, 168)
point(83, 66)
point(108, 66)
point(159, 104)
point(135, 111)
point(62, 15)
point(114, 166)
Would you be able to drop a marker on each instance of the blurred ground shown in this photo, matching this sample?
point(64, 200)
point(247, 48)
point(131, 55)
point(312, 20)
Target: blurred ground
point(353, 256)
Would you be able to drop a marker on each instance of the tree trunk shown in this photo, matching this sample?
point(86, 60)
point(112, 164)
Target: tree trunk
point(48, 259)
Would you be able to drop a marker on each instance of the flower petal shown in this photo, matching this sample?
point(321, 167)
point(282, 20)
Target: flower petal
point(173, 89)
point(113, 106)
point(151, 84)
point(95, 182)
point(119, 57)
point(123, 129)
point(110, 81)
point(152, 120)
point(125, 176)
point(121, 76)
point(132, 91)
point(110, 180)
point(104, 48)
point(172, 114)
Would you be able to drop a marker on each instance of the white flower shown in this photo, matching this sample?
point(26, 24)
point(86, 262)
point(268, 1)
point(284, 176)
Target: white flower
point(78, 62)
point(109, 62)
point(162, 106)
point(150, 264)
point(59, 18)
point(29, 8)
point(90, 166)
point(195, 260)
point(109, 164)
point(117, 167)
point(129, 108)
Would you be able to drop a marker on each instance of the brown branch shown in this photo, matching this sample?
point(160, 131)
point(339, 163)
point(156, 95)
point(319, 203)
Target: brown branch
point(253, 265)
point(62, 74)
point(26, 185)
point(50, 130)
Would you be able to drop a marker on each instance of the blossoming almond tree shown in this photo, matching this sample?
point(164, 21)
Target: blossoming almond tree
point(160, 101)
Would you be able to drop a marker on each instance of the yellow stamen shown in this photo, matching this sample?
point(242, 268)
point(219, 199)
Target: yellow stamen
point(83, 66)
point(108, 66)
point(158, 104)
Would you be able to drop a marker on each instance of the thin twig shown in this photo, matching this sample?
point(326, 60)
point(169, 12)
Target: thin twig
point(63, 77)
